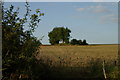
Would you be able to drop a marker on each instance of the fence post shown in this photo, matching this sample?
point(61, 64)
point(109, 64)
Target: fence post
point(104, 70)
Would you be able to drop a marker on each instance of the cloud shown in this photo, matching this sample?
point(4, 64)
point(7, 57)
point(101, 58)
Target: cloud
point(95, 9)
point(110, 18)
point(105, 15)
point(100, 9)
point(80, 9)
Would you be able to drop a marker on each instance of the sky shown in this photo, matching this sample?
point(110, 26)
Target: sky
point(61, 0)
point(97, 22)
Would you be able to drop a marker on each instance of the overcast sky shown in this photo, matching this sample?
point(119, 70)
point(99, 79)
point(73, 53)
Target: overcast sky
point(97, 22)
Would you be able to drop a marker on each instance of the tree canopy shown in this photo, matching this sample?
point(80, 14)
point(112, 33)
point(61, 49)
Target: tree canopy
point(78, 42)
point(59, 34)
point(19, 46)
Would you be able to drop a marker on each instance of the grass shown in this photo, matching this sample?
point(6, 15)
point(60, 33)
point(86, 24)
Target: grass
point(80, 61)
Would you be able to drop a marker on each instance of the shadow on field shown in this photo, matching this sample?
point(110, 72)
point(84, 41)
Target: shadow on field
point(94, 70)
point(72, 74)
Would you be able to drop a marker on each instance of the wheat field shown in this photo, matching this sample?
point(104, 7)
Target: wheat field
point(84, 59)
point(79, 54)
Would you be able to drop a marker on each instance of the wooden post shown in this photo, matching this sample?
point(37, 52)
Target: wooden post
point(104, 70)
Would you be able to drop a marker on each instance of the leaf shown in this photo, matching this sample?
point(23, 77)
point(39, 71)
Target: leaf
point(41, 14)
point(37, 10)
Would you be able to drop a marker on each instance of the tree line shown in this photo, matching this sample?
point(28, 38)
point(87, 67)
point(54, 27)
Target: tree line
point(78, 42)
point(61, 34)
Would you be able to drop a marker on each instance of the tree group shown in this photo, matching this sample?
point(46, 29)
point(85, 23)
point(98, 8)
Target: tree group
point(78, 42)
point(59, 34)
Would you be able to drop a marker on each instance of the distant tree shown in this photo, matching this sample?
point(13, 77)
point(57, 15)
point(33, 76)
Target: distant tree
point(59, 34)
point(84, 42)
point(78, 42)
point(74, 42)
point(67, 35)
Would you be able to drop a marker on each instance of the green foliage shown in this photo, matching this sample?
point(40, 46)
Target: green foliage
point(59, 34)
point(18, 44)
point(114, 74)
point(78, 42)
point(74, 41)
point(84, 42)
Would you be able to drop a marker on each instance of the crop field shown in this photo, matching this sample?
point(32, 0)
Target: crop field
point(80, 61)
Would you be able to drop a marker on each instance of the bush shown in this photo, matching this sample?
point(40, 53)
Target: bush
point(19, 46)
